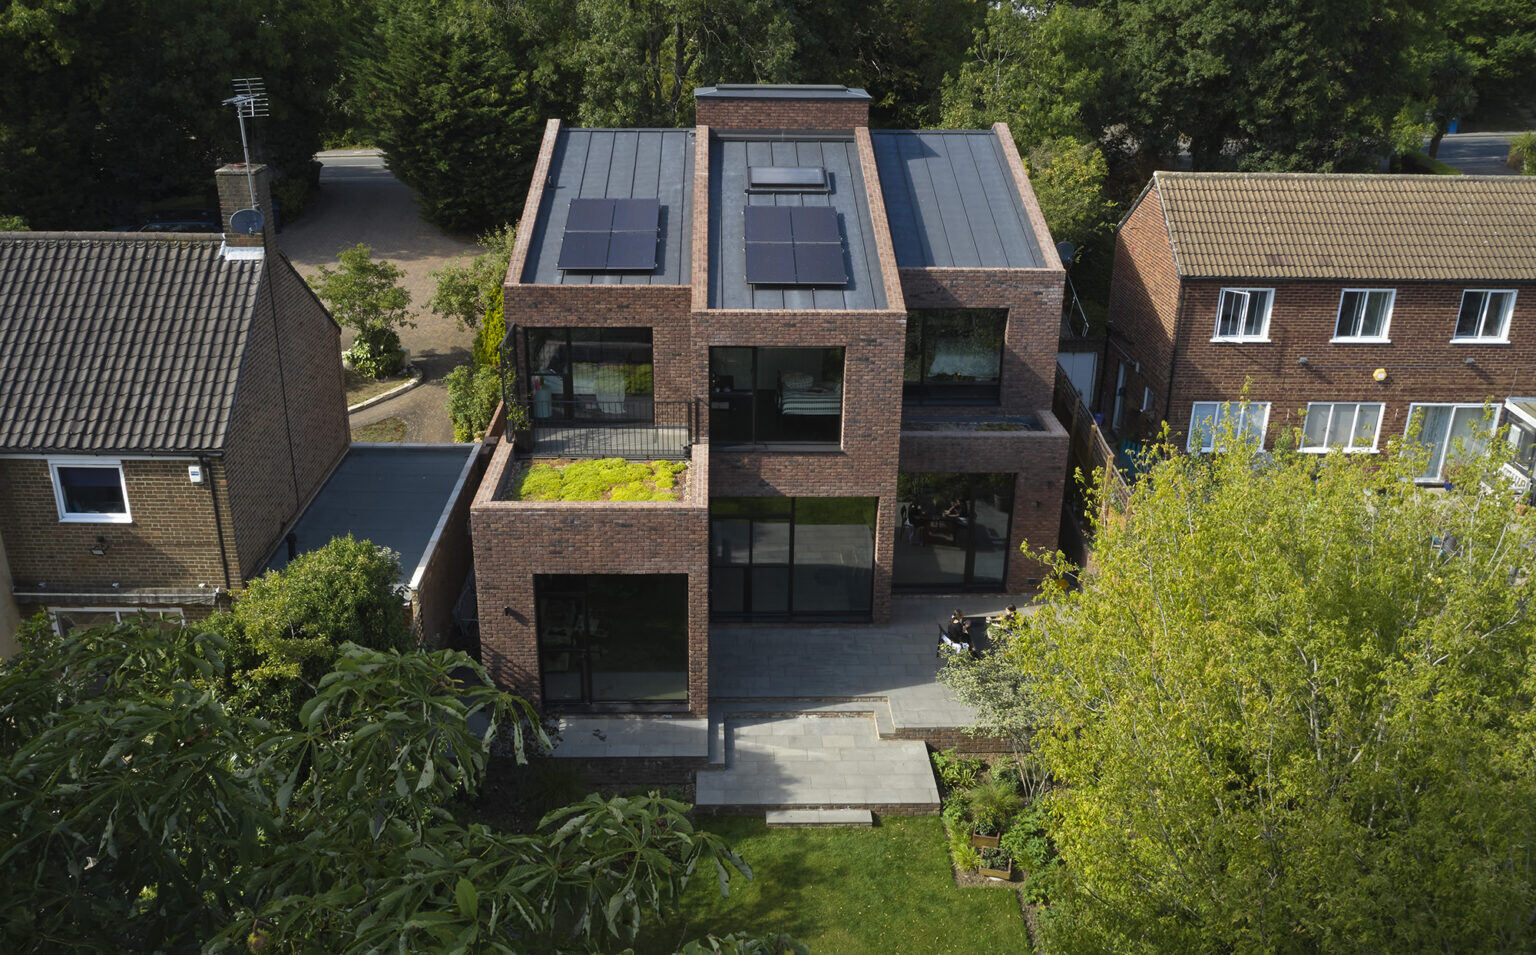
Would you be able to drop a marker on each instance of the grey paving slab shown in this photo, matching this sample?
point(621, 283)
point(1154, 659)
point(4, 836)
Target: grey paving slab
point(590, 737)
point(819, 817)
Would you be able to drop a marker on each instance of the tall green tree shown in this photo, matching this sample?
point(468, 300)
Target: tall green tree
point(1291, 708)
point(367, 297)
point(109, 104)
point(142, 812)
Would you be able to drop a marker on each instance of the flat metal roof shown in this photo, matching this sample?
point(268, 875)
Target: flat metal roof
point(729, 159)
point(617, 164)
point(396, 496)
point(951, 200)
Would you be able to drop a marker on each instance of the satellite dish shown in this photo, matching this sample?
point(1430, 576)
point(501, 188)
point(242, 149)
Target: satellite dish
point(1066, 250)
point(247, 221)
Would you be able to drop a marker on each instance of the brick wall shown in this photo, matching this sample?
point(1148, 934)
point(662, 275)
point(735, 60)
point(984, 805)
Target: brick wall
point(1143, 310)
point(171, 543)
point(1420, 361)
point(443, 578)
point(263, 467)
point(723, 112)
point(515, 540)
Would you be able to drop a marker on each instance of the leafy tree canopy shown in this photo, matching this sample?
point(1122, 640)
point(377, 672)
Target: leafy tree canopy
point(1291, 707)
point(142, 812)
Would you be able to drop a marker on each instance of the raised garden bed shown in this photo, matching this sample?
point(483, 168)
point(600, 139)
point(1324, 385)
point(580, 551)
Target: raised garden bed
point(599, 479)
point(361, 387)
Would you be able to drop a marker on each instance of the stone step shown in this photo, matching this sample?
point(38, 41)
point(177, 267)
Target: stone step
point(812, 818)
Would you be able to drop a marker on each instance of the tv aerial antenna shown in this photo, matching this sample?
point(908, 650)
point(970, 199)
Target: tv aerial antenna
point(250, 102)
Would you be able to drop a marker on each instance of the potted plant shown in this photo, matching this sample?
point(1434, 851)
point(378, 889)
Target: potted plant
point(993, 802)
point(995, 864)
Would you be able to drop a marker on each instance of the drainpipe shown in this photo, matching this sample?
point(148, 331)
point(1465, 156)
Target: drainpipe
point(218, 525)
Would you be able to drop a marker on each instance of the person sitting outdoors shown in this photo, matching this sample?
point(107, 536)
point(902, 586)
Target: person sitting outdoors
point(959, 628)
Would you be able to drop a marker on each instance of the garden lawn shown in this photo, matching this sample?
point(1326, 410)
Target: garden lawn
point(886, 890)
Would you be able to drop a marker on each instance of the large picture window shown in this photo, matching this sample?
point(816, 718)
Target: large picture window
point(1484, 316)
point(954, 355)
point(952, 531)
point(1364, 314)
point(1352, 426)
point(90, 491)
point(1209, 421)
point(1447, 431)
point(1242, 314)
point(776, 557)
point(590, 374)
point(784, 397)
point(613, 639)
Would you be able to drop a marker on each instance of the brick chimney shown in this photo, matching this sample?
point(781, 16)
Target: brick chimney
point(235, 194)
point(748, 106)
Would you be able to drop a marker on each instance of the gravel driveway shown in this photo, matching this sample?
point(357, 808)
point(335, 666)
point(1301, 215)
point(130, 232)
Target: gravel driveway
point(361, 201)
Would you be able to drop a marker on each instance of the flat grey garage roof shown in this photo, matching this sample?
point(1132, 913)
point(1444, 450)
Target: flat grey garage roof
point(392, 495)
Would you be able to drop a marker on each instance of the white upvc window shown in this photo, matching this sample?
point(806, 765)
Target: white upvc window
point(67, 619)
point(1448, 430)
point(1484, 315)
point(1352, 426)
point(1364, 315)
point(90, 490)
point(1208, 420)
point(1242, 315)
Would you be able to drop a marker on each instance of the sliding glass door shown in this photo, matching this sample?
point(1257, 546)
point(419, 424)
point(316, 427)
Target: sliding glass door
point(773, 557)
point(952, 531)
point(590, 374)
point(613, 640)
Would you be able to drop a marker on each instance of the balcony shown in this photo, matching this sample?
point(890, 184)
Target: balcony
point(636, 428)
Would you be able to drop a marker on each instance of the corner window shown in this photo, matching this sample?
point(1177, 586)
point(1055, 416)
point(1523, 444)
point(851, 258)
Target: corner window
point(1242, 314)
point(1364, 314)
point(1210, 420)
point(90, 491)
point(1484, 316)
point(778, 397)
point(1448, 431)
point(1348, 425)
point(954, 356)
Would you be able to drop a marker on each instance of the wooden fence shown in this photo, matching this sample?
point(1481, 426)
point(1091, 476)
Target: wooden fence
point(1088, 449)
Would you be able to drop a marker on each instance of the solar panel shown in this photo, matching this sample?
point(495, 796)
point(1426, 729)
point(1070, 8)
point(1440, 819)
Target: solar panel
point(815, 224)
point(786, 177)
point(589, 215)
point(768, 224)
point(632, 250)
point(584, 250)
point(770, 263)
point(636, 215)
point(819, 263)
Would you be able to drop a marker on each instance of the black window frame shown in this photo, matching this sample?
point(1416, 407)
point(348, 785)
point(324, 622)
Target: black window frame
point(727, 398)
point(783, 510)
point(922, 390)
point(556, 586)
point(973, 480)
point(643, 405)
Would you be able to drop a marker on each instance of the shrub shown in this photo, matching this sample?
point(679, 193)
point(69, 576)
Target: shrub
point(473, 395)
point(963, 853)
point(956, 772)
point(366, 296)
point(376, 352)
point(992, 803)
point(344, 592)
point(1522, 153)
point(13, 224)
point(486, 350)
point(1027, 841)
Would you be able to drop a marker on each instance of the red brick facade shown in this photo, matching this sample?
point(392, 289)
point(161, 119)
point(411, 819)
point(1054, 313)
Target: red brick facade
point(1165, 325)
point(515, 541)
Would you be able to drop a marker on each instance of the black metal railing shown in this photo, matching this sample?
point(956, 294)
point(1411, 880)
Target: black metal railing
point(630, 426)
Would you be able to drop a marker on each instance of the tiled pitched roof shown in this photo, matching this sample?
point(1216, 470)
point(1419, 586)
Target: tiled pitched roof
point(119, 343)
point(1295, 226)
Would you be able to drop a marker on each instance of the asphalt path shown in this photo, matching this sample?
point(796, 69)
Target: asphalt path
point(361, 201)
point(1477, 154)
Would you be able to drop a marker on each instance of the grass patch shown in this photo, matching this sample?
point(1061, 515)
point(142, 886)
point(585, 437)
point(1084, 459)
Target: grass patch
point(885, 890)
point(1422, 163)
point(390, 429)
point(361, 387)
point(603, 479)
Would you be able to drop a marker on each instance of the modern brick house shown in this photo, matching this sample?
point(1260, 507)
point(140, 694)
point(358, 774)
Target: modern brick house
point(1349, 304)
point(848, 334)
point(171, 404)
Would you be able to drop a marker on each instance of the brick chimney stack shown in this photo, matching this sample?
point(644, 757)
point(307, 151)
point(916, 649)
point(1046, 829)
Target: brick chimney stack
point(762, 106)
point(235, 194)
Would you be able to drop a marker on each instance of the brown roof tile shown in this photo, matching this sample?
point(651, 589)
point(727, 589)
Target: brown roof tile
point(1298, 226)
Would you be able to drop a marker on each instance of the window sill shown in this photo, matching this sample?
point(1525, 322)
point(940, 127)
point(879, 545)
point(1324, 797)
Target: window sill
point(1240, 340)
point(1359, 341)
point(95, 519)
point(1480, 341)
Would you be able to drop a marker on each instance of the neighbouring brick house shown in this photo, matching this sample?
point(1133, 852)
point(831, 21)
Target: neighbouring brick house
point(171, 402)
point(1349, 305)
point(849, 334)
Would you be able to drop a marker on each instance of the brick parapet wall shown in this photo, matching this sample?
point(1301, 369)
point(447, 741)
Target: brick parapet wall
point(890, 276)
point(516, 540)
point(1038, 461)
point(1421, 363)
point(1033, 300)
point(1027, 194)
point(700, 237)
point(535, 202)
point(442, 579)
point(759, 113)
point(271, 480)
